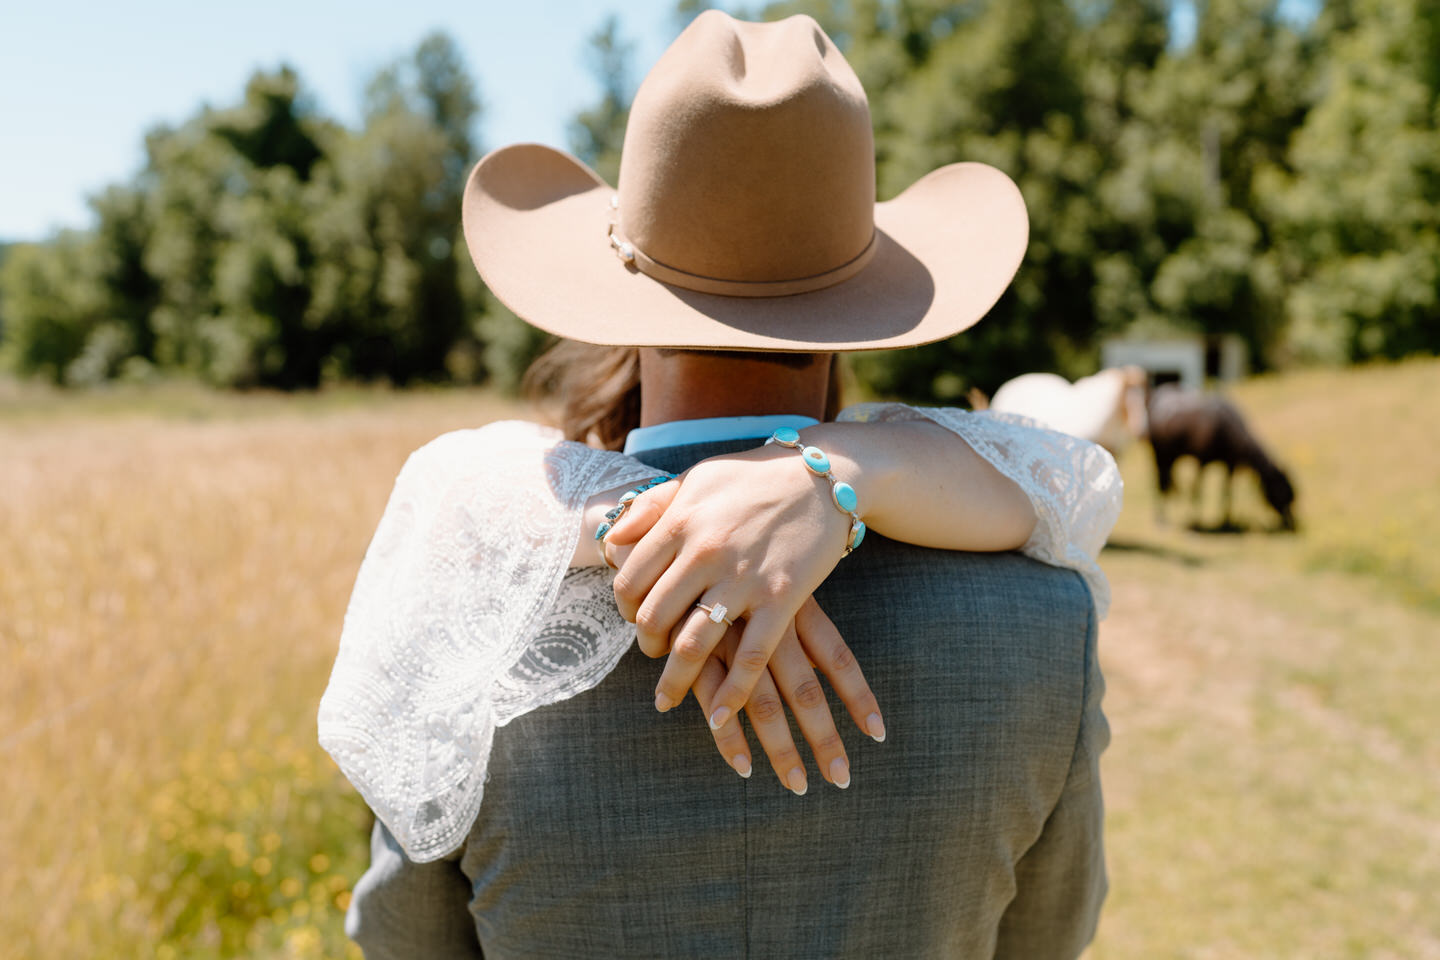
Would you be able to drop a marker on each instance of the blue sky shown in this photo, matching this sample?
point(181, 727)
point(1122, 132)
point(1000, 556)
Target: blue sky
point(82, 80)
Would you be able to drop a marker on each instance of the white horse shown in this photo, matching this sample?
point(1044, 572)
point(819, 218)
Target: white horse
point(1107, 408)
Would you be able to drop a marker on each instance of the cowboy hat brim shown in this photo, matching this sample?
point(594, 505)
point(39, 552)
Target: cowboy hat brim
point(536, 219)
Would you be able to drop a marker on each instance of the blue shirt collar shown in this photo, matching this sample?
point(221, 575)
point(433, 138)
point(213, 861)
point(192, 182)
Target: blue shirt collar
point(679, 432)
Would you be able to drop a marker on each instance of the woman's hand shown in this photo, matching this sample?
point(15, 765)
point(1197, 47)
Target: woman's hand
point(811, 639)
point(754, 532)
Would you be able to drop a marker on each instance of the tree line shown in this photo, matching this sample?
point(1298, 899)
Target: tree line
point(1271, 178)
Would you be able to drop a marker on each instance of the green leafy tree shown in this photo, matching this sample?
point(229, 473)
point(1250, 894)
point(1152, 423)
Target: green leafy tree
point(4, 251)
point(1358, 209)
point(227, 245)
point(376, 248)
point(1219, 114)
point(54, 303)
point(274, 126)
point(78, 306)
point(263, 244)
point(122, 237)
point(400, 184)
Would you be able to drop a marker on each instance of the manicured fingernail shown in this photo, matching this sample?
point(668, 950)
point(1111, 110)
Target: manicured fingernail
point(662, 702)
point(840, 772)
point(718, 718)
point(742, 765)
point(875, 727)
point(796, 782)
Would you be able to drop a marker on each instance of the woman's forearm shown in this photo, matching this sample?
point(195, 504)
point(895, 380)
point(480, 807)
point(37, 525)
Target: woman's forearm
point(917, 482)
point(920, 483)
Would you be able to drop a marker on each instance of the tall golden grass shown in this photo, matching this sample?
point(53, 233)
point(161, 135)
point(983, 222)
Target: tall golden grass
point(172, 592)
point(174, 568)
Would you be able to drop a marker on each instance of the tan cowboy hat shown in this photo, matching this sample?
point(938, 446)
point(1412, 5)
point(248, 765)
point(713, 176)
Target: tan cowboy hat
point(745, 217)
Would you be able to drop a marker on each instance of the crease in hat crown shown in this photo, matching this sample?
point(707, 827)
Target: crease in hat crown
point(748, 166)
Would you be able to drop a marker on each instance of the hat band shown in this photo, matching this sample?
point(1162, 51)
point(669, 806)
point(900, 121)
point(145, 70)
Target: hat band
point(633, 256)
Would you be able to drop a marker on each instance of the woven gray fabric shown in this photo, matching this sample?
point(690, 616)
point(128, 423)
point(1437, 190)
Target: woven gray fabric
point(973, 831)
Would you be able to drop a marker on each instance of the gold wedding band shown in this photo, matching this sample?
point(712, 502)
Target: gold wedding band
point(716, 613)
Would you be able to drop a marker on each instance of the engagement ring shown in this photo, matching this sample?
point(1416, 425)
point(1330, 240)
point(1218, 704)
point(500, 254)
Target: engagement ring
point(717, 613)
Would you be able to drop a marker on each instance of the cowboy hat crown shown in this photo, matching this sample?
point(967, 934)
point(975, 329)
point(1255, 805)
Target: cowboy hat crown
point(755, 174)
point(745, 216)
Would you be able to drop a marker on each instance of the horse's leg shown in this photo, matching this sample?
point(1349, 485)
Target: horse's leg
point(1229, 483)
point(1197, 495)
point(1164, 465)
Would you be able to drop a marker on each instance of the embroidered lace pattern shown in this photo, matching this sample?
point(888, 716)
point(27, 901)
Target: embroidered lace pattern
point(465, 615)
point(457, 623)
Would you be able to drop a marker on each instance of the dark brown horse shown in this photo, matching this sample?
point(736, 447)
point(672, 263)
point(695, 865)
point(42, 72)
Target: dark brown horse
point(1209, 428)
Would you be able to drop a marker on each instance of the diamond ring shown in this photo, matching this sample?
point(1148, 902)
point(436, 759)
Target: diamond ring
point(717, 613)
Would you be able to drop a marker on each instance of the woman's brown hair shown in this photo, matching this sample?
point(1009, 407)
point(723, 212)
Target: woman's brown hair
point(598, 388)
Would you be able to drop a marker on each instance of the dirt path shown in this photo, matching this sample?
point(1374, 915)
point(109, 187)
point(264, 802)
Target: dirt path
point(1273, 786)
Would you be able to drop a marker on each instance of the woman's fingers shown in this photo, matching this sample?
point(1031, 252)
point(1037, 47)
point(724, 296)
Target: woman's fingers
point(730, 738)
point(800, 687)
point(663, 610)
point(788, 679)
point(767, 719)
point(763, 630)
point(647, 561)
point(828, 651)
point(642, 514)
point(693, 642)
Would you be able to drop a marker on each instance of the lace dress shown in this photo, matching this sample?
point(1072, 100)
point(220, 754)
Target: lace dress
point(465, 614)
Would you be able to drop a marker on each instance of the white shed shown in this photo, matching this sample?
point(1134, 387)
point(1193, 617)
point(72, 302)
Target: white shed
point(1191, 360)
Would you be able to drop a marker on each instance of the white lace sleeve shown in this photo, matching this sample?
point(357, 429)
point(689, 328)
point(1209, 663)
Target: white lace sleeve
point(453, 628)
point(1073, 484)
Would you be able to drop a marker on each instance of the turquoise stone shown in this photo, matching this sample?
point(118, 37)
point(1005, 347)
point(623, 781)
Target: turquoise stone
point(816, 460)
point(787, 436)
point(629, 495)
point(857, 533)
point(845, 497)
point(601, 530)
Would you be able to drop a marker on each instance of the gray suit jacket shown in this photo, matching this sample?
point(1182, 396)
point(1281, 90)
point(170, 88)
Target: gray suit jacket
point(609, 830)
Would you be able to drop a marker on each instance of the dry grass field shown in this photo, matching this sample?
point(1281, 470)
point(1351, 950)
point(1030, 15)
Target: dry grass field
point(1273, 785)
point(174, 567)
point(172, 589)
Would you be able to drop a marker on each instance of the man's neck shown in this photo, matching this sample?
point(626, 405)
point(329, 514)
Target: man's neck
point(690, 385)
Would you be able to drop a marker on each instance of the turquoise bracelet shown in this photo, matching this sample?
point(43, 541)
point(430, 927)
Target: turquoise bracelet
point(613, 515)
point(841, 492)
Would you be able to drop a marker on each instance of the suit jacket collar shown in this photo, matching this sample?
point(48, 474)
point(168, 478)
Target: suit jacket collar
point(684, 456)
